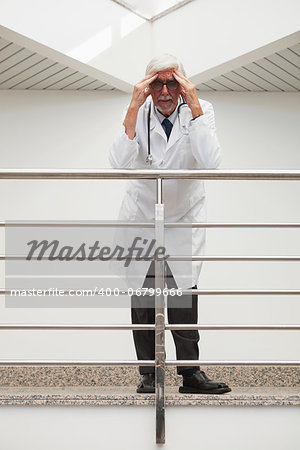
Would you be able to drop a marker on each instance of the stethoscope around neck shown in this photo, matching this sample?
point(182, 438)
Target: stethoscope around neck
point(149, 158)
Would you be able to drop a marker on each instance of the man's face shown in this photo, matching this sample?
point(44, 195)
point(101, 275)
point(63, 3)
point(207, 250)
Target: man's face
point(165, 100)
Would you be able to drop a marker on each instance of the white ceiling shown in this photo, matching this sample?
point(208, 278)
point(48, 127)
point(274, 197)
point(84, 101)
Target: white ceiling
point(27, 64)
point(279, 71)
point(152, 10)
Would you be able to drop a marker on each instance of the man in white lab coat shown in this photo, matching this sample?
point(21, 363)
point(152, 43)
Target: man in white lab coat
point(166, 126)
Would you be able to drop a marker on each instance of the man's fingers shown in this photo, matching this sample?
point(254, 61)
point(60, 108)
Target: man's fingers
point(180, 80)
point(180, 75)
point(152, 74)
point(143, 85)
point(147, 91)
point(149, 78)
point(149, 81)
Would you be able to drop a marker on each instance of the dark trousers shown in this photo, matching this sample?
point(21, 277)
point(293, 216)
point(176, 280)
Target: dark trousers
point(143, 312)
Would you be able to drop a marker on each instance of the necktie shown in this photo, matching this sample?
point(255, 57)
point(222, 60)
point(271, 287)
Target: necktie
point(167, 126)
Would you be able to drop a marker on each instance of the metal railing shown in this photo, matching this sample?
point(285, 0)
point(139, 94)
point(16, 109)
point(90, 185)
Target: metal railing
point(160, 327)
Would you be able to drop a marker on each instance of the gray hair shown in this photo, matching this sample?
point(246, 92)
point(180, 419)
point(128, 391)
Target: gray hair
point(164, 62)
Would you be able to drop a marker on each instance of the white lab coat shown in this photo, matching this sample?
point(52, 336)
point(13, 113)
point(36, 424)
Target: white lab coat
point(193, 144)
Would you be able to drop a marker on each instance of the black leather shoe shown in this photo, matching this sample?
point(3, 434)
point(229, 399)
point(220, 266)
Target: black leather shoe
point(147, 384)
point(199, 383)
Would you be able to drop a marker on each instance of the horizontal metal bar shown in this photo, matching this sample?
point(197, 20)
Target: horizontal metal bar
point(181, 362)
point(231, 363)
point(234, 225)
point(151, 224)
point(231, 327)
point(173, 258)
point(187, 291)
point(242, 292)
point(89, 174)
point(26, 326)
point(91, 224)
point(9, 362)
point(233, 258)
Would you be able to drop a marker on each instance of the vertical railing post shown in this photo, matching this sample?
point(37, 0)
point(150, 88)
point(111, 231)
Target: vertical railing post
point(160, 355)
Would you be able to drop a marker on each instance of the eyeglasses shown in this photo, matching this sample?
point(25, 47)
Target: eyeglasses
point(157, 85)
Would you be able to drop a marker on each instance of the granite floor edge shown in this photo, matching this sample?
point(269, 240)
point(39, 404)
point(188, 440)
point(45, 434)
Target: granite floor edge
point(241, 376)
point(128, 397)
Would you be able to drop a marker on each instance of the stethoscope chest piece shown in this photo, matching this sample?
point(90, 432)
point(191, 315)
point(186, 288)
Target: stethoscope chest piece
point(149, 160)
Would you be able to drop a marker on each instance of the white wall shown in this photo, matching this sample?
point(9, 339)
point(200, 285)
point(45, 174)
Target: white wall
point(64, 25)
point(212, 428)
point(74, 130)
point(209, 33)
point(202, 34)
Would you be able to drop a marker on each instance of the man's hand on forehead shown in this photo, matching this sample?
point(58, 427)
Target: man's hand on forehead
point(140, 93)
point(166, 73)
point(189, 93)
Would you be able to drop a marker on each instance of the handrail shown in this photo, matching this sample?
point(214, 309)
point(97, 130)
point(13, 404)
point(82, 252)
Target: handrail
point(201, 174)
point(195, 291)
point(181, 326)
point(148, 362)
point(159, 225)
point(152, 224)
point(179, 258)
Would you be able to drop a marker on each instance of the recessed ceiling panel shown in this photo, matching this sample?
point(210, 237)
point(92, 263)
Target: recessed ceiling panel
point(21, 68)
point(279, 72)
point(151, 9)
